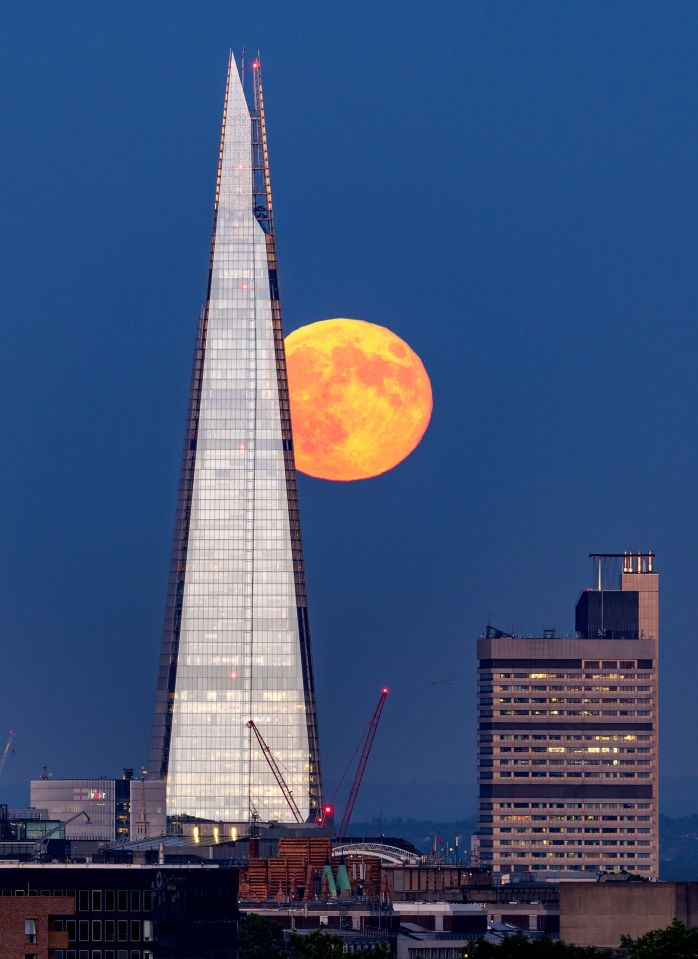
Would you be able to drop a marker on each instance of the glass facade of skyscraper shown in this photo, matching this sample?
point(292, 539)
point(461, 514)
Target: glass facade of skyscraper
point(236, 642)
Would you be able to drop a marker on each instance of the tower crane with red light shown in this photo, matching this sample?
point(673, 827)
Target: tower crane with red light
point(361, 768)
point(326, 815)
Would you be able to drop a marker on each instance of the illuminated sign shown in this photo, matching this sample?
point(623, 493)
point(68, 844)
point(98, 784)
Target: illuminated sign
point(94, 794)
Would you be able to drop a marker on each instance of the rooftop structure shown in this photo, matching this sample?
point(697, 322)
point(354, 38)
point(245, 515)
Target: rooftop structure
point(103, 808)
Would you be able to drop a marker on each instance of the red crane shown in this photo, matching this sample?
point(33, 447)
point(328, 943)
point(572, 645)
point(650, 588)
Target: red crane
point(293, 806)
point(360, 769)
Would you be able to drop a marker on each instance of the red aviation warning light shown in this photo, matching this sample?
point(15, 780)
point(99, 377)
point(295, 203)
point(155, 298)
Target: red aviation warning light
point(361, 768)
point(326, 816)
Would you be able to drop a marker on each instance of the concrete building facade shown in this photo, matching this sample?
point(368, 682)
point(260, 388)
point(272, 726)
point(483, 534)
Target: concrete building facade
point(567, 727)
point(600, 913)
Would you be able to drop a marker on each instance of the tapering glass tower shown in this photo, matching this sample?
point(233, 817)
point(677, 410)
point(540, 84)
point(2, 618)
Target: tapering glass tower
point(236, 643)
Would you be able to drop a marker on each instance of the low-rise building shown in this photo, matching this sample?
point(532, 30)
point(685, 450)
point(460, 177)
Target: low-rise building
point(443, 916)
point(431, 881)
point(103, 809)
point(360, 921)
point(601, 913)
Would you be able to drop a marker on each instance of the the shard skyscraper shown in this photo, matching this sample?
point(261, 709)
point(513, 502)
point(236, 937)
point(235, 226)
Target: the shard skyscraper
point(236, 643)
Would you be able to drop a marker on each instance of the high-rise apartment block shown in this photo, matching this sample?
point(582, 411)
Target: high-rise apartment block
point(236, 643)
point(568, 760)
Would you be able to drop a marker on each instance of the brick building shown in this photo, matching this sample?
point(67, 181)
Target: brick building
point(30, 927)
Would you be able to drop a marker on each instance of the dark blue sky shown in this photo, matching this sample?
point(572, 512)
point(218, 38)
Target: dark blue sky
point(509, 187)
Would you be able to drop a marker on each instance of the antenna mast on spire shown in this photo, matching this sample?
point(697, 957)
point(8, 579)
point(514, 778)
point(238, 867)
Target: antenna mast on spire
point(260, 154)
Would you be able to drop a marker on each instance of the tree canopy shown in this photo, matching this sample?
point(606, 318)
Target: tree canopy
point(260, 938)
point(676, 941)
point(520, 946)
point(324, 945)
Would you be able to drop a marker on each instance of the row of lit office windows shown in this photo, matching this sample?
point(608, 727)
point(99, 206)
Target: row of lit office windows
point(567, 762)
point(574, 843)
point(566, 699)
point(575, 851)
point(567, 737)
point(585, 828)
point(554, 818)
point(605, 772)
point(567, 806)
point(572, 855)
point(561, 687)
point(548, 774)
point(565, 750)
point(578, 675)
point(489, 713)
point(624, 747)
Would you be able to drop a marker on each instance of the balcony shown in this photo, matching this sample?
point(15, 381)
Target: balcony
point(57, 940)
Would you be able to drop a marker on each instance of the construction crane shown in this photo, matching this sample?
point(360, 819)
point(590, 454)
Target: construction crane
point(6, 751)
point(41, 843)
point(273, 765)
point(361, 768)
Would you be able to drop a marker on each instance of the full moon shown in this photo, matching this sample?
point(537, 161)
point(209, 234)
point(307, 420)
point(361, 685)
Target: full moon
point(360, 399)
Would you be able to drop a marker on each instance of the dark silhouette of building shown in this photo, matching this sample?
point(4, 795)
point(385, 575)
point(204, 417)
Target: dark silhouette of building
point(134, 911)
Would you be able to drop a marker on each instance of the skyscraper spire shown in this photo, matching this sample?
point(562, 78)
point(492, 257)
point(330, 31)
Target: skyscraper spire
point(236, 642)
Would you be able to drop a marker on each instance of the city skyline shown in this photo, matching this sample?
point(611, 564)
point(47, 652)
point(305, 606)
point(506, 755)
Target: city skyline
point(551, 296)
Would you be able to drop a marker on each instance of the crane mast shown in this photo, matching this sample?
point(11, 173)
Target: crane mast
point(361, 768)
point(273, 765)
point(40, 843)
point(6, 750)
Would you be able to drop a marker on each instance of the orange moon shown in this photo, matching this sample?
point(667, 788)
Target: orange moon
point(360, 399)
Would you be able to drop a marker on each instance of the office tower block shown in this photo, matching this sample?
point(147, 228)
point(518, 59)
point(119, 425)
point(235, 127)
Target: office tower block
point(568, 753)
point(236, 643)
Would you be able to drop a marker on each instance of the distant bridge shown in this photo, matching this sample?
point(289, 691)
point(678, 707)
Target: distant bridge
point(390, 854)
